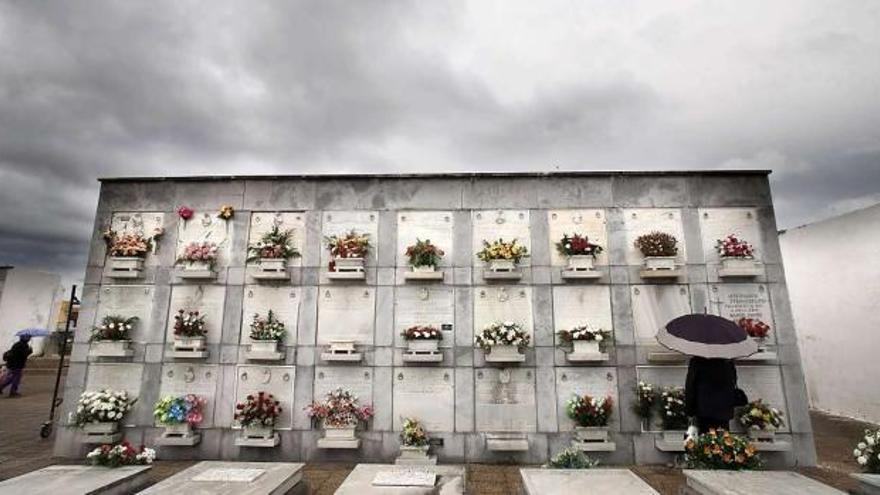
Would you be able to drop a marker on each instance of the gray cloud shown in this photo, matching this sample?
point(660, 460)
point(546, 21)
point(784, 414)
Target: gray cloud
point(105, 88)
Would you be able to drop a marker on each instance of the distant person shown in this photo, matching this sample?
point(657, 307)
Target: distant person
point(16, 360)
point(711, 393)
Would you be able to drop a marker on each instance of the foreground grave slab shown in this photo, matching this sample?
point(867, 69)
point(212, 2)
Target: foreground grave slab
point(869, 484)
point(59, 480)
point(753, 483)
point(583, 482)
point(450, 480)
point(239, 478)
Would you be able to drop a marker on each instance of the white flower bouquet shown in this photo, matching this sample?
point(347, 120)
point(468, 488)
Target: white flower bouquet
point(104, 406)
point(503, 333)
point(867, 452)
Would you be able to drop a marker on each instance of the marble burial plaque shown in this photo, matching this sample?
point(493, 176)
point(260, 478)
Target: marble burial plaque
point(735, 301)
point(427, 395)
point(639, 221)
point(764, 382)
point(502, 303)
point(343, 222)
point(208, 300)
point(276, 380)
point(654, 306)
point(589, 223)
point(436, 226)
point(116, 376)
point(295, 221)
point(595, 382)
point(490, 225)
point(346, 313)
point(660, 376)
point(403, 477)
point(284, 303)
point(127, 301)
point(505, 400)
point(357, 380)
point(718, 223)
point(580, 305)
point(205, 226)
point(198, 379)
point(433, 306)
point(147, 224)
point(229, 475)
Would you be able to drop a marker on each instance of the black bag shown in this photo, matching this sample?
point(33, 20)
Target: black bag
point(740, 398)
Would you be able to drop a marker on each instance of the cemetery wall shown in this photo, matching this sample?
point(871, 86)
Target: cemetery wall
point(464, 400)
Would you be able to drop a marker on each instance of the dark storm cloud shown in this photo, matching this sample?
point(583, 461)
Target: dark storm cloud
point(105, 88)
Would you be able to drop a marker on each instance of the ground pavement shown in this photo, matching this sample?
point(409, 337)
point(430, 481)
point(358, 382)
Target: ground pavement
point(22, 450)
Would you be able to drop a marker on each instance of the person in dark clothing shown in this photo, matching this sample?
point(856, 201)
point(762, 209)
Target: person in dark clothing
point(711, 393)
point(16, 360)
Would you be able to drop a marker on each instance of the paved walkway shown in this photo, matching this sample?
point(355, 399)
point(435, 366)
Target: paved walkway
point(22, 450)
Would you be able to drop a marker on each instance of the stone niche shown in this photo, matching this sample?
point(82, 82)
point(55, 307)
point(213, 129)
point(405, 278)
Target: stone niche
point(357, 380)
point(590, 223)
point(580, 305)
point(146, 224)
point(503, 303)
point(436, 226)
point(427, 395)
point(276, 380)
point(735, 301)
point(505, 400)
point(205, 226)
point(118, 377)
point(207, 300)
point(343, 222)
point(640, 221)
point(660, 376)
point(595, 382)
point(347, 314)
point(127, 301)
point(262, 222)
point(653, 306)
point(718, 223)
point(199, 379)
point(433, 306)
point(284, 303)
point(490, 225)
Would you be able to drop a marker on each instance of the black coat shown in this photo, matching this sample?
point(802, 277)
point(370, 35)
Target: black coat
point(16, 356)
point(710, 390)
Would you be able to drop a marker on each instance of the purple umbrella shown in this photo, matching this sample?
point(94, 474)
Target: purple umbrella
point(33, 332)
point(708, 336)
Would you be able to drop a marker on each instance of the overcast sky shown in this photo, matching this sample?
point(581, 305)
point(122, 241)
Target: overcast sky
point(91, 88)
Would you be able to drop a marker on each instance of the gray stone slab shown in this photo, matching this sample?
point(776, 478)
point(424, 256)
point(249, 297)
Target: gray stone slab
point(583, 482)
point(239, 478)
point(869, 484)
point(754, 483)
point(63, 480)
point(450, 480)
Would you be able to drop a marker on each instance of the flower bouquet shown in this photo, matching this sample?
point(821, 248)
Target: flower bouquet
point(737, 256)
point(128, 251)
point(339, 414)
point(503, 341)
point(179, 414)
point(867, 452)
point(673, 416)
point(719, 449)
point(199, 256)
point(756, 328)
point(121, 454)
point(269, 328)
point(422, 338)
point(501, 255)
point(646, 399)
point(348, 251)
point(273, 250)
point(591, 416)
point(579, 250)
point(585, 339)
point(100, 412)
point(414, 442)
point(189, 331)
point(572, 458)
point(257, 415)
point(111, 338)
point(659, 250)
point(424, 256)
point(760, 420)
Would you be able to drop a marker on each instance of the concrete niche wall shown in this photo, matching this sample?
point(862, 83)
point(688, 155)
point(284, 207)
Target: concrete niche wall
point(473, 402)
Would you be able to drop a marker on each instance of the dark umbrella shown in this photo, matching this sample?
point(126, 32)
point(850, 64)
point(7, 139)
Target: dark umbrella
point(708, 336)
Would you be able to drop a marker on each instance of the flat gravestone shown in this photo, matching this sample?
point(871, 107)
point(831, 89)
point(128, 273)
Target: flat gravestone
point(282, 301)
point(493, 304)
point(118, 377)
point(232, 478)
point(491, 225)
point(589, 223)
point(64, 480)
point(262, 222)
point(869, 484)
point(127, 301)
point(276, 380)
point(735, 301)
point(357, 380)
point(596, 382)
point(505, 400)
point(718, 223)
point(198, 379)
point(426, 394)
point(436, 226)
point(431, 306)
point(208, 300)
point(205, 226)
point(639, 221)
point(583, 482)
point(405, 477)
point(754, 483)
point(581, 305)
point(450, 480)
point(654, 306)
point(346, 313)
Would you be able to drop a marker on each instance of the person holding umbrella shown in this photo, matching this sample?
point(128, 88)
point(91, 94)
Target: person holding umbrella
point(16, 360)
point(711, 392)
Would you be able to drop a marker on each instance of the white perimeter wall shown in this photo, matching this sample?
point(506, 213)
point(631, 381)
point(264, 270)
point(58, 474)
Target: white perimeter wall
point(833, 273)
point(28, 300)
